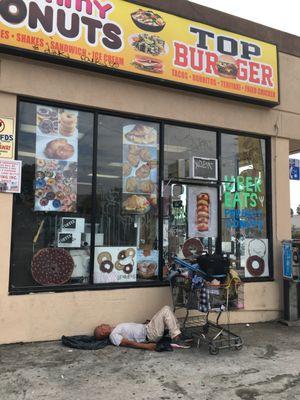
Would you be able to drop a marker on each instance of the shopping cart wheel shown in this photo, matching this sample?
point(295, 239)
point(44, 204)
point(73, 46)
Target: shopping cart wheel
point(213, 350)
point(238, 344)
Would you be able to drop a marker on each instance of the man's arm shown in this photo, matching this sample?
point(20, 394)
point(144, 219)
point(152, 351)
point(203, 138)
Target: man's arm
point(136, 345)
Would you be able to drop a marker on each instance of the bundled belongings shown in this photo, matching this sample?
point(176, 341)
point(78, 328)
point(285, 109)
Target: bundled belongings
point(84, 342)
point(214, 264)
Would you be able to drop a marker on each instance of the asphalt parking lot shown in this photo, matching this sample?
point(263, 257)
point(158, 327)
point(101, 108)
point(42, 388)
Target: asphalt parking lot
point(268, 367)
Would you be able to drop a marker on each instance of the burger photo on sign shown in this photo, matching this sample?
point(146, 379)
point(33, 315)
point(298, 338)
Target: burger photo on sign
point(148, 64)
point(227, 67)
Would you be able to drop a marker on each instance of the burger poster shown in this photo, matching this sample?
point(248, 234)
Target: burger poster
point(120, 35)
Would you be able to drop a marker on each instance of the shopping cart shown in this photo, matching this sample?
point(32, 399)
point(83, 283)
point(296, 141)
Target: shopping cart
point(197, 294)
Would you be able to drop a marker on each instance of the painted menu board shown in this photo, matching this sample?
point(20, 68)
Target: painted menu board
point(120, 36)
point(56, 159)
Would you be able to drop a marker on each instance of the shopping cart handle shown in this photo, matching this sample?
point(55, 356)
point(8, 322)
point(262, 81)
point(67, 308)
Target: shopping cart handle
point(196, 268)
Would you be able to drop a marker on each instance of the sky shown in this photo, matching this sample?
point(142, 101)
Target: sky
point(282, 15)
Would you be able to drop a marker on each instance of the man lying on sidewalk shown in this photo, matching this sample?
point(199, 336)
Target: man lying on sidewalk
point(144, 336)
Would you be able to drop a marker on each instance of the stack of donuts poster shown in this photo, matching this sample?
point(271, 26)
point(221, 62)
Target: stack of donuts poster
point(56, 159)
point(202, 211)
point(140, 164)
point(115, 264)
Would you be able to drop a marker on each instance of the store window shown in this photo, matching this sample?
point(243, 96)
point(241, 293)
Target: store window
point(107, 214)
point(244, 204)
point(52, 216)
point(126, 246)
point(190, 204)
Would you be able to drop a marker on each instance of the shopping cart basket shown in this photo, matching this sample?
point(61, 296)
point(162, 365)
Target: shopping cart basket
point(193, 289)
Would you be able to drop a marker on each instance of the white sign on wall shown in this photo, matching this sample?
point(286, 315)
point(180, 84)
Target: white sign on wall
point(10, 176)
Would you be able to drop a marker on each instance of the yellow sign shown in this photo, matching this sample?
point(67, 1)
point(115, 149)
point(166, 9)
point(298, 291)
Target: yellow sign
point(7, 138)
point(119, 35)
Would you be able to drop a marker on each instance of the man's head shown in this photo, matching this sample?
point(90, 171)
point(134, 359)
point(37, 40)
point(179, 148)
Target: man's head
point(102, 331)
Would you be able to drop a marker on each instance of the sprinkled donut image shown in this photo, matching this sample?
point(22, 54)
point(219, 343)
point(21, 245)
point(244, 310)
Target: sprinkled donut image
point(52, 266)
point(47, 120)
point(50, 184)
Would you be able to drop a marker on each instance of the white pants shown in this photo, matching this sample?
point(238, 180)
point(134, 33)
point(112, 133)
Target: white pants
point(163, 319)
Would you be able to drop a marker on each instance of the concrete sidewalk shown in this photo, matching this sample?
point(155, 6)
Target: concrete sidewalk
point(268, 367)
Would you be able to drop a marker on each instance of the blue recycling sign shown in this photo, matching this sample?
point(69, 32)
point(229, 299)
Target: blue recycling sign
point(294, 169)
point(287, 260)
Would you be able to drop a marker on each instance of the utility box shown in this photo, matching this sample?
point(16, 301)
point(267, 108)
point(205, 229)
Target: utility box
point(291, 276)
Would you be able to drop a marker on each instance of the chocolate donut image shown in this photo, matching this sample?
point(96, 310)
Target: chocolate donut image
point(122, 255)
point(13, 11)
point(128, 268)
point(50, 195)
point(106, 266)
point(192, 247)
point(255, 271)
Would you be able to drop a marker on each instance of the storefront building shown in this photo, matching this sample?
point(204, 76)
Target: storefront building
point(145, 129)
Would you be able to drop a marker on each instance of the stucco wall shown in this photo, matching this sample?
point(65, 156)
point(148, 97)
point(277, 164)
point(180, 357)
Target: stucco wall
point(48, 316)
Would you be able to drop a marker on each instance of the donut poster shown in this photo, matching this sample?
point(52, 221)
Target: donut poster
point(115, 264)
point(202, 211)
point(147, 264)
point(56, 159)
point(256, 258)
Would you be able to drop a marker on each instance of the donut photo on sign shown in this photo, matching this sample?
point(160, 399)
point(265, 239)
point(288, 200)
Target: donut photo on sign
point(202, 211)
point(115, 264)
point(256, 258)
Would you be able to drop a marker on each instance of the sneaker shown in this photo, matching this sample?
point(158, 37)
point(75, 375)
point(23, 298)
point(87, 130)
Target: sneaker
point(181, 344)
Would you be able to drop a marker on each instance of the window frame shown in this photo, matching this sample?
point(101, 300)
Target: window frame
point(161, 123)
